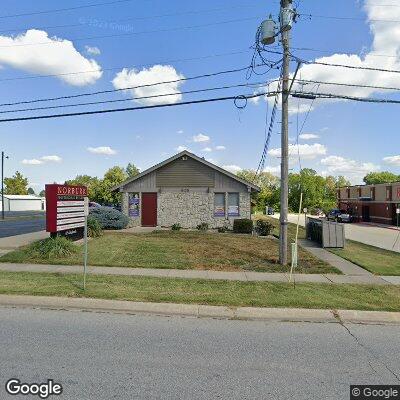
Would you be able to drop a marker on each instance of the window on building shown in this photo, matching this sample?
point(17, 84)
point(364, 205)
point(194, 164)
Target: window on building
point(219, 204)
point(233, 204)
point(388, 193)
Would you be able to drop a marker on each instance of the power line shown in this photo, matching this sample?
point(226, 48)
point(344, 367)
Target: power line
point(345, 18)
point(337, 65)
point(63, 9)
point(132, 33)
point(209, 100)
point(121, 67)
point(255, 85)
point(128, 88)
point(93, 21)
point(345, 97)
point(349, 85)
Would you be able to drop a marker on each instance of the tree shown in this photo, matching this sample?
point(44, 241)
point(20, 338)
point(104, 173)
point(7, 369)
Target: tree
point(341, 181)
point(31, 191)
point(131, 170)
point(42, 193)
point(16, 185)
point(381, 177)
point(91, 182)
point(113, 177)
point(269, 185)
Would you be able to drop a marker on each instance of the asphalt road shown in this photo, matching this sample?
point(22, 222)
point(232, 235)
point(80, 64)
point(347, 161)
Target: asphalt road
point(18, 225)
point(113, 356)
point(384, 238)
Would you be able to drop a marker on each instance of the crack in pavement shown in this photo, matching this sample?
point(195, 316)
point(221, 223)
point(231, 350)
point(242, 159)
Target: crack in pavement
point(369, 352)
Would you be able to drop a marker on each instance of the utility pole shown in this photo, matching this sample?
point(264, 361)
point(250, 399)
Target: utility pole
point(285, 31)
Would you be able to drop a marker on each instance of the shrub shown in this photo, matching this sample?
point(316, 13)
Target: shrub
point(243, 225)
point(109, 218)
point(57, 247)
point(94, 227)
point(176, 227)
point(202, 227)
point(222, 229)
point(264, 228)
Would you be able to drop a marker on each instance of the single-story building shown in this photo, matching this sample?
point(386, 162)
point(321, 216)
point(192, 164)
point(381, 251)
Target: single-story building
point(371, 203)
point(14, 202)
point(187, 190)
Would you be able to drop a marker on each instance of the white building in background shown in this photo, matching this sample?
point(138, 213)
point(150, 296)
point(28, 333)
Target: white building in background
point(14, 202)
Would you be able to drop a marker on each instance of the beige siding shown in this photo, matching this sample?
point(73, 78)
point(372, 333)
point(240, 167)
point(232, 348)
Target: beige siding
point(145, 184)
point(227, 184)
point(380, 193)
point(189, 173)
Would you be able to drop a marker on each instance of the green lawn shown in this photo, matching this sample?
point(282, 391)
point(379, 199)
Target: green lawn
point(373, 259)
point(182, 250)
point(229, 293)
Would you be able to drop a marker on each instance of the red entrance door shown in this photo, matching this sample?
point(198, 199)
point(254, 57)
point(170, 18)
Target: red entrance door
point(149, 209)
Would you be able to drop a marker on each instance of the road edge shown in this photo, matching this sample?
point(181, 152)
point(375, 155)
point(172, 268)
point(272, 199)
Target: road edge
point(201, 311)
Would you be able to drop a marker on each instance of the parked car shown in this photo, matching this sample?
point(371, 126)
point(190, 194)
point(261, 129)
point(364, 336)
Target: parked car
point(339, 215)
point(93, 204)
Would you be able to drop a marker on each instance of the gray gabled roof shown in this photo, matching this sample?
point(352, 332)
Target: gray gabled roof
point(199, 159)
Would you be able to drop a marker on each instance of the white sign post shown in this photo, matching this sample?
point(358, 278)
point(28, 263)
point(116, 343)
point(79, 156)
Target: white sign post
point(85, 238)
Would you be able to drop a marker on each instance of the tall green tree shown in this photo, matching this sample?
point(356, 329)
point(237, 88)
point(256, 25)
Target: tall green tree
point(17, 184)
point(269, 185)
point(31, 191)
point(91, 182)
point(374, 178)
point(131, 170)
point(113, 177)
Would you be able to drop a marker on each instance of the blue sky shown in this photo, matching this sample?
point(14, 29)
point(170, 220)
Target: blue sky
point(342, 138)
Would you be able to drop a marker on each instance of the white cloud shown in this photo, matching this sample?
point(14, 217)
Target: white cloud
point(308, 136)
point(201, 138)
point(182, 148)
point(105, 150)
point(158, 73)
point(275, 170)
point(58, 57)
point(95, 51)
point(307, 151)
point(53, 158)
point(386, 40)
point(232, 168)
point(42, 160)
point(207, 149)
point(180, 131)
point(352, 169)
point(220, 148)
point(33, 161)
point(392, 160)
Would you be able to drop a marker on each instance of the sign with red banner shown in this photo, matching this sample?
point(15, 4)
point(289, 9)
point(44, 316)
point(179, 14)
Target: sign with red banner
point(65, 208)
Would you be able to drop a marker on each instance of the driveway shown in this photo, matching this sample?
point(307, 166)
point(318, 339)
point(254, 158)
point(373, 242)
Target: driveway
point(381, 237)
point(114, 356)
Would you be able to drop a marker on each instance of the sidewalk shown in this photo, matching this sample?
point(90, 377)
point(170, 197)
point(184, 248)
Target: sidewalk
point(202, 311)
point(244, 276)
point(13, 242)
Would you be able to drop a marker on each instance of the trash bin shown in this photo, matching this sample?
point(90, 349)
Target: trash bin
point(328, 234)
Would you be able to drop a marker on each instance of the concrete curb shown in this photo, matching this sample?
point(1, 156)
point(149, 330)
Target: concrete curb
point(201, 311)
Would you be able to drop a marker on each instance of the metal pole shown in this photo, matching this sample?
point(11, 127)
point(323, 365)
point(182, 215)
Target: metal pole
point(2, 185)
point(283, 236)
point(85, 254)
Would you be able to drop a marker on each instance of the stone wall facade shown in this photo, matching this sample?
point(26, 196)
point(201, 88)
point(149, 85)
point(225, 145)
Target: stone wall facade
point(190, 209)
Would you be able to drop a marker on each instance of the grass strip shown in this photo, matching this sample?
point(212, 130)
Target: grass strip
point(191, 291)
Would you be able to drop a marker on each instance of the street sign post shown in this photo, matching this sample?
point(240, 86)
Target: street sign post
point(86, 211)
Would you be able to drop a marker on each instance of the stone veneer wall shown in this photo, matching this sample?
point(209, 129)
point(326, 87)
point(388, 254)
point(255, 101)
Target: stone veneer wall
point(192, 208)
point(189, 209)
